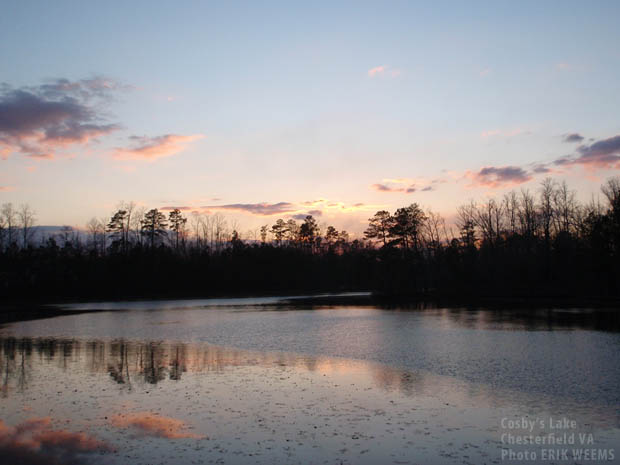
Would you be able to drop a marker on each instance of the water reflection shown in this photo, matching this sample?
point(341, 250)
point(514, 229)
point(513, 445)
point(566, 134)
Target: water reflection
point(36, 442)
point(72, 400)
point(150, 362)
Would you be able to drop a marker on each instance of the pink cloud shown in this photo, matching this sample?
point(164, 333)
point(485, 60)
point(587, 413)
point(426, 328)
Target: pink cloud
point(383, 71)
point(153, 148)
point(376, 70)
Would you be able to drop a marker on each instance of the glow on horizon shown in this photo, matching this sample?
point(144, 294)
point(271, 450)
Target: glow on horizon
point(269, 108)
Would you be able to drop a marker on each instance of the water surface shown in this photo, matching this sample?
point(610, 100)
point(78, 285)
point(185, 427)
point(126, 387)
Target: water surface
point(268, 381)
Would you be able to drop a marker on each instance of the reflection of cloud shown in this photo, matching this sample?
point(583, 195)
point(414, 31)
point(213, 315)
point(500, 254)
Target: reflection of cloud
point(38, 121)
point(150, 424)
point(152, 148)
point(33, 442)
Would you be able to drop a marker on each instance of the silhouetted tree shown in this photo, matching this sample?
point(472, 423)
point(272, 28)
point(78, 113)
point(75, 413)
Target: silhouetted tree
point(279, 230)
point(379, 226)
point(407, 226)
point(117, 229)
point(154, 226)
point(177, 225)
point(9, 216)
point(308, 231)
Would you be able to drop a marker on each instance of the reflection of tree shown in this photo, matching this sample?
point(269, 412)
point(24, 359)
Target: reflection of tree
point(152, 366)
point(129, 363)
point(119, 370)
point(177, 364)
point(8, 364)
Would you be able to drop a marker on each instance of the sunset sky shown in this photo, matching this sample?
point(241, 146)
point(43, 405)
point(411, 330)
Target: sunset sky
point(261, 110)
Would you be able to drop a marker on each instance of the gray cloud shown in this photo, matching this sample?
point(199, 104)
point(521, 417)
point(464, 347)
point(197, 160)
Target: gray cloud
point(382, 188)
point(262, 209)
point(37, 121)
point(385, 188)
point(573, 137)
point(600, 154)
point(302, 216)
point(498, 176)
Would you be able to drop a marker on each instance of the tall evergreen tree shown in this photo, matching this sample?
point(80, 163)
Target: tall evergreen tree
point(154, 226)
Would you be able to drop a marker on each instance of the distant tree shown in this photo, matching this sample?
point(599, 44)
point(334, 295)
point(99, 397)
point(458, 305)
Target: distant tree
point(433, 229)
point(263, 233)
point(379, 226)
point(547, 193)
point(308, 231)
point(235, 241)
point(117, 228)
point(134, 226)
point(154, 226)
point(511, 211)
point(26, 219)
point(611, 190)
point(2, 232)
point(528, 218)
point(331, 236)
point(279, 230)
point(292, 231)
point(342, 241)
point(466, 223)
point(67, 236)
point(490, 220)
point(9, 216)
point(96, 230)
point(177, 225)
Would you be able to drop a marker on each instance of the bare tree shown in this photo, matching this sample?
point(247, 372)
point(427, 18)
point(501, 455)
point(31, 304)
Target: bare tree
point(565, 206)
point(547, 194)
point(466, 222)
point(9, 216)
point(528, 220)
point(433, 228)
point(26, 219)
point(511, 211)
point(489, 218)
point(611, 190)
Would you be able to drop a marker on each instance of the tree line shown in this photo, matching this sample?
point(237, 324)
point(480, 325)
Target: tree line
point(528, 243)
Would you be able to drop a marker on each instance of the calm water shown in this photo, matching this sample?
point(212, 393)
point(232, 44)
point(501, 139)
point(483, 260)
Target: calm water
point(268, 381)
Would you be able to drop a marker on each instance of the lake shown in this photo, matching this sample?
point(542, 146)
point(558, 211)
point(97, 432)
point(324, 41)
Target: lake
point(284, 380)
